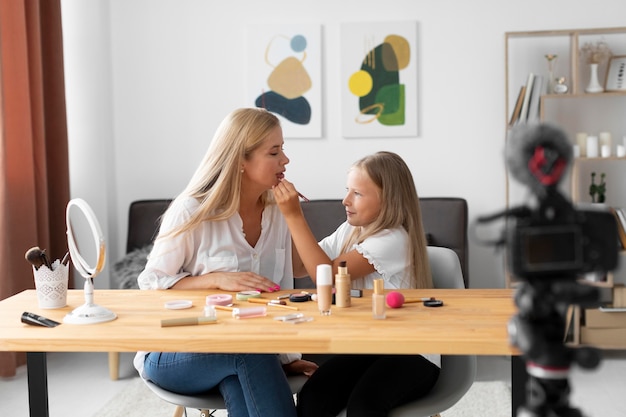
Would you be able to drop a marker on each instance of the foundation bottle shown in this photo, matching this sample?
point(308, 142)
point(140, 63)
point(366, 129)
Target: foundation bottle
point(378, 299)
point(342, 286)
point(324, 279)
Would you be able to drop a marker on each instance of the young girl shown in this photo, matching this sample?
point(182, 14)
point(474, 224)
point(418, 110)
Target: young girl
point(224, 232)
point(383, 238)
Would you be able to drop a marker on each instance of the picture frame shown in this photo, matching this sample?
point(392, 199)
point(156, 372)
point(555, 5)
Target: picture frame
point(616, 74)
point(284, 75)
point(379, 99)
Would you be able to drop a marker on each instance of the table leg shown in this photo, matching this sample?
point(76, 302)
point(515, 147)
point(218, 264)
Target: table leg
point(37, 373)
point(519, 377)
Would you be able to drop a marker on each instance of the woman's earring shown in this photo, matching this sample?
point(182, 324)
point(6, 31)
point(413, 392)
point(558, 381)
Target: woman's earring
point(242, 171)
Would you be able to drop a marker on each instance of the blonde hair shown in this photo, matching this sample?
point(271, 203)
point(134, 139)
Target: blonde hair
point(399, 208)
point(216, 184)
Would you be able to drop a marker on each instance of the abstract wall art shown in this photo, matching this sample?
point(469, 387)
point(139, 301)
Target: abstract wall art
point(284, 75)
point(379, 79)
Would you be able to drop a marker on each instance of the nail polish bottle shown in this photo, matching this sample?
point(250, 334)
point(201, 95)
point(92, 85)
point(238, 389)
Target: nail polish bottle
point(342, 286)
point(324, 279)
point(378, 299)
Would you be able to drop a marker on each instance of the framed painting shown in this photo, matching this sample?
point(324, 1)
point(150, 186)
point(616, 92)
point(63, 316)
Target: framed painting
point(379, 79)
point(616, 74)
point(284, 75)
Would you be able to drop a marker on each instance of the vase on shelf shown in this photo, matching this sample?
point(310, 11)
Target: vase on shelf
point(594, 84)
point(551, 58)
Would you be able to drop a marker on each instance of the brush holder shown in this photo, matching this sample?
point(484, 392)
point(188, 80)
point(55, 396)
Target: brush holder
point(51, 285)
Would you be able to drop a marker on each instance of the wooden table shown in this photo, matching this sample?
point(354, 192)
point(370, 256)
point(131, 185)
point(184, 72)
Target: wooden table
point(471, 321)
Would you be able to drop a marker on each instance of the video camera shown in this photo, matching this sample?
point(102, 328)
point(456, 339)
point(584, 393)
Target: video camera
point(549, 247)
point(555, 240)
point(569, 243)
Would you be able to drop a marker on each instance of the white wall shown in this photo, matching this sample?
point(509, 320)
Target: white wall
point(144, 103)
point(88, 84)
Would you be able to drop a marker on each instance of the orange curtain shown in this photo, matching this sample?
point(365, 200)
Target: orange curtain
point(34, 178)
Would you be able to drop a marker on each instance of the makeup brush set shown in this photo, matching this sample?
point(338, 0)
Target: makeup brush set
point(38, 258)
point(51, 277)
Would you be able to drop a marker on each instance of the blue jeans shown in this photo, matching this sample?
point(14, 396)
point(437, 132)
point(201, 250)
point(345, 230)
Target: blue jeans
point(252, 385)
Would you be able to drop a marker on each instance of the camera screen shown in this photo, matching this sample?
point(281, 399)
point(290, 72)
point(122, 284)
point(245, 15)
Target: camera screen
point(551, 248)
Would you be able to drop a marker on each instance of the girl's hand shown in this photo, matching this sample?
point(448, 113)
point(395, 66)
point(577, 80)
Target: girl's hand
point(287, 198)
point(300, 367)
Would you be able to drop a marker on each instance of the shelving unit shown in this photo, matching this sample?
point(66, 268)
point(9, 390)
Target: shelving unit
point(575, 111)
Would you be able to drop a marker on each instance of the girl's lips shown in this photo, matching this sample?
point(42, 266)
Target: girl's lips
point(280, 176)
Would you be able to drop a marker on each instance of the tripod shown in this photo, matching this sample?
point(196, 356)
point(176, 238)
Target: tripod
point(537, 330)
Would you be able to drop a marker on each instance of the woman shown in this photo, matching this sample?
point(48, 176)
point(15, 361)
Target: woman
point(225, 232)
point(383, 218)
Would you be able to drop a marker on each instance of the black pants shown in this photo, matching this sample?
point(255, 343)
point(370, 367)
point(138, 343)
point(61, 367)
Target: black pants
point(367, 385)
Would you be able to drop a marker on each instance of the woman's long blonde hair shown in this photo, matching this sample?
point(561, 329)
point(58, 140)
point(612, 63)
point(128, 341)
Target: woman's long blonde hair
point(399, 208)
point(216, 184)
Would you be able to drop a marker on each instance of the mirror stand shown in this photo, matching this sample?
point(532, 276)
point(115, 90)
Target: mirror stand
point(89, 312)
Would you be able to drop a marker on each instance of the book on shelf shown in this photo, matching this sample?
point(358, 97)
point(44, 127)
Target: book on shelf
point(523, 116)
point(534, 101)
point(621, 213)
point(620, 219)
point(518, 106)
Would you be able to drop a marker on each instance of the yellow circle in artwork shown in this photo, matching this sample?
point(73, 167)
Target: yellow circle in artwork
point(360, 83)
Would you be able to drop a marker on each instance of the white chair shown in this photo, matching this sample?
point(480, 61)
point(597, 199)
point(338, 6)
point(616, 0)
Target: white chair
point(206, 402)
point(445, 268)
point(457, 371)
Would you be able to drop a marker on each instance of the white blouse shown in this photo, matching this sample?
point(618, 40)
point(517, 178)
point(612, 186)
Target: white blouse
point(218, 246)
point(387, 251)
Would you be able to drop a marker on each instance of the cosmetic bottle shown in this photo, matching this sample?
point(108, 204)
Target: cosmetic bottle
point(209, 311)
point(378, 299)
point(324, 279)
point(342, 286)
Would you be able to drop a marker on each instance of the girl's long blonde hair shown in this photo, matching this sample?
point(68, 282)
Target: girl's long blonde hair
point(399, 208)
point(216, 184)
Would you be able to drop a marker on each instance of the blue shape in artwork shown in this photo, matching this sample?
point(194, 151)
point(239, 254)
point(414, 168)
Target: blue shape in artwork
point(298, 43)
point(296, 110)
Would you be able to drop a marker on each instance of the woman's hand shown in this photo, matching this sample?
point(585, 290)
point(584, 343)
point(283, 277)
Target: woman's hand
point(228, 281)
point(244, 281)
point(287, 198)
point(300, 367)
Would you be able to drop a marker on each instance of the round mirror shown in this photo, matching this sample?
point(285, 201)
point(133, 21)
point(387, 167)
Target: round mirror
point(84, 239)
point(88, 253)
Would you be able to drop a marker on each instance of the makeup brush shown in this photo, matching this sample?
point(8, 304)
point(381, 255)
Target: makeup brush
point(37, 257)
point(66, 258)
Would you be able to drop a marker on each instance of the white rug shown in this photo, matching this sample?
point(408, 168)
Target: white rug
point(484, 399)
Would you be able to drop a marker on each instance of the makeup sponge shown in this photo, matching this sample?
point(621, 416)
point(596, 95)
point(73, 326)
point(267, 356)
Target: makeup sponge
point(394, 299)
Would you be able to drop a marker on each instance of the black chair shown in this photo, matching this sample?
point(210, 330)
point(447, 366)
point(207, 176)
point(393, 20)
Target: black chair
point(445, 221)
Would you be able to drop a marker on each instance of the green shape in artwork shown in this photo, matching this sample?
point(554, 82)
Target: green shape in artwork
point(381, 77)
point(393, 98)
